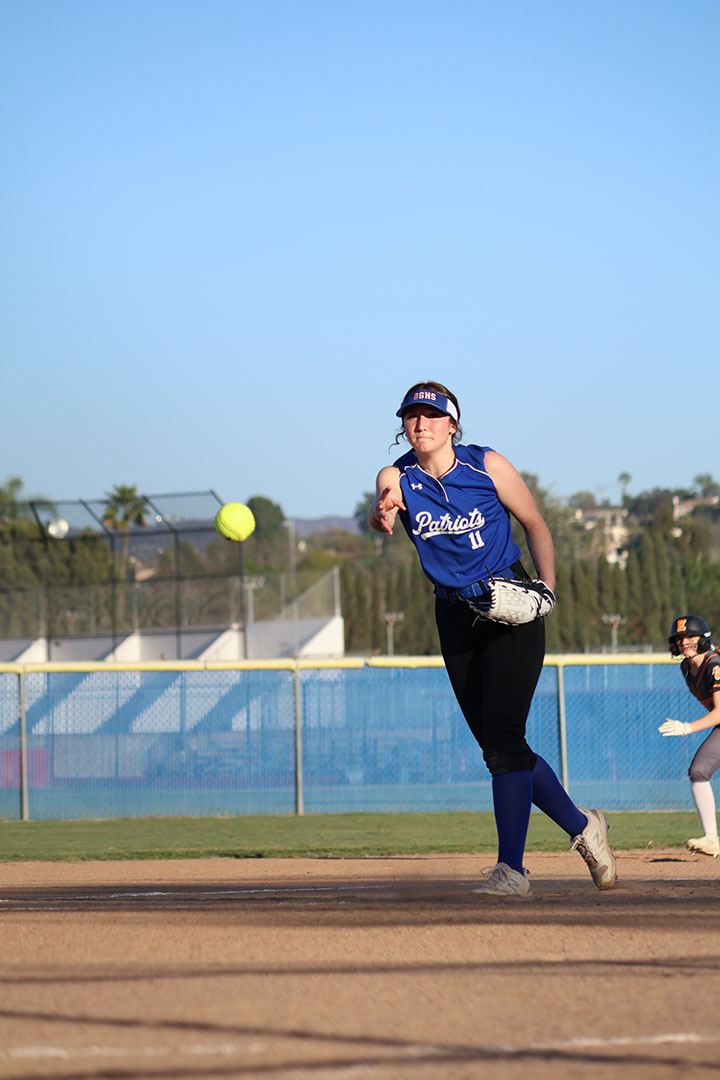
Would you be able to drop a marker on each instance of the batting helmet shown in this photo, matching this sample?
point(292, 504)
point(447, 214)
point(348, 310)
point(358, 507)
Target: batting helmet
point(691, 625)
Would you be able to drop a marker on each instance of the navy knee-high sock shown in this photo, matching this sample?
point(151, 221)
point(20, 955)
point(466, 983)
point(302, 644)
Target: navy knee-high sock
point(512, 800)
point(550, 796)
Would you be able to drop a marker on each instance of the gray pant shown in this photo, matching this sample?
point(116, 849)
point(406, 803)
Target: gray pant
point(707, 757)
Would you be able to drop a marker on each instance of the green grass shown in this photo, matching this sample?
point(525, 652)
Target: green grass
point(318, 836)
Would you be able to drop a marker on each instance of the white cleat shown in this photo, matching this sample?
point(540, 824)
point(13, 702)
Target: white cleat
point(706, 845)
point(504, 881)
point(593, 845)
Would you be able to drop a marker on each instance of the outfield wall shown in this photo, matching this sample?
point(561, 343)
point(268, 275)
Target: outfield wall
point(99, 740)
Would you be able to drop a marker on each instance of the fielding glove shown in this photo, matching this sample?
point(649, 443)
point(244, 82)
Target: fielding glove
point(674, 727)
point(512, 601)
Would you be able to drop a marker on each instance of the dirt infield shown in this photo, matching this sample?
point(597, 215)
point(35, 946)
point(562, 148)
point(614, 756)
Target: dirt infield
point(363, 968)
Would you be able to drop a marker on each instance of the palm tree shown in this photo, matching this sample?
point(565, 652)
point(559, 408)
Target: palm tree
point(15, 505)
point(124, 508)
point(623, 480)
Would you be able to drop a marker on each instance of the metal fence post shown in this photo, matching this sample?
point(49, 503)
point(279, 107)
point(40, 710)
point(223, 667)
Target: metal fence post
point(336, 590)
point(23, 750)
point(299, 802)
point(562, 728)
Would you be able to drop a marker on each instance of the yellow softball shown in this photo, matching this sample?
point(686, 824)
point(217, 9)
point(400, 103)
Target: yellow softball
point(235, 521)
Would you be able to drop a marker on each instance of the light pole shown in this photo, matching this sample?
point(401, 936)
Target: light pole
point(292, 543)
point(58, 529)
point(391, 617)
point(251, 583)
point(614, 621)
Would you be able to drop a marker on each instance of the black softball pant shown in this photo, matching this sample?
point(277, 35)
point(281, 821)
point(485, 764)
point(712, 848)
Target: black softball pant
point(493, 669)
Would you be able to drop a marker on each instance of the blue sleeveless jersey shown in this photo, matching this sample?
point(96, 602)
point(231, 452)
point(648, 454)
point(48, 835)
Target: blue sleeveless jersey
point(460, 528)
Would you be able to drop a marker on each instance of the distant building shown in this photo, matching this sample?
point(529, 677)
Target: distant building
point(683, 507)
point(610, 524)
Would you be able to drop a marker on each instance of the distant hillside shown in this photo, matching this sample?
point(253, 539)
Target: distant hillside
point(309, 526)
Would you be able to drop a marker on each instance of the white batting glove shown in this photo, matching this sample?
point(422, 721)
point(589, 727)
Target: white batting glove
point(674, 727)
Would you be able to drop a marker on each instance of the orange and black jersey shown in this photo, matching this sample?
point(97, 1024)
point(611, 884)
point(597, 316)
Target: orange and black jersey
point(705, 680)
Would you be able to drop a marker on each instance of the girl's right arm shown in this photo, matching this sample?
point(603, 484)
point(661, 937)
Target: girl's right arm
point(388, 500)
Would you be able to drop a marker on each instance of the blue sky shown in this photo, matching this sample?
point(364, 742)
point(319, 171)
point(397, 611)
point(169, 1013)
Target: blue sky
point(235, 231)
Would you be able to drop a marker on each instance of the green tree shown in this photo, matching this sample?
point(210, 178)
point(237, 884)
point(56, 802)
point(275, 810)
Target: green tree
point(273, 544)
point(662, 520)
point(702, 583)
point(695, 537)
point(634, 589)
point(677, 599)
point(651, 612)
point(377, 606)
point(419, 607)
point(582, 500)
point(706, 485)
point(269, 517)
point(124, 507)
point(644, 505)
point(355, 602)
point(395, 589)
point(662, 568)
point(620, 588)
point(570, 539)
point(607, 595)
point(361, 511)
point(584, 587)
point(561, 625)
point(15, 505)
point(12, 504)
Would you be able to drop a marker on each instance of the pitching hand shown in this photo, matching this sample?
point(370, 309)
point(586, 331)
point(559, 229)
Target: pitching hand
point(385, 510)
point(674, 727)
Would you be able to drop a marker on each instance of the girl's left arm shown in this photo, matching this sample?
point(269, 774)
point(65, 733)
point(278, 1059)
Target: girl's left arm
point(709, 720)
point(516, 497)
point(711, 717)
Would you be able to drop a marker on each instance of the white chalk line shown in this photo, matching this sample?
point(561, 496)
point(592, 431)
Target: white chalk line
point(135, 894)
point(200, 894)
point(61, 1053)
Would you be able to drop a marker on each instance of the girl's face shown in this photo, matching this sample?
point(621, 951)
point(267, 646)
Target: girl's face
point(688, 645)
point(428, 429)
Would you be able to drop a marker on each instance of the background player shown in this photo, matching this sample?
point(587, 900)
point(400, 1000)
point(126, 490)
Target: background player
point(455, 503)
point(690, 638)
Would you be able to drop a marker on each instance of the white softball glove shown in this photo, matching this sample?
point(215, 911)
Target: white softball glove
point(513, 602)
point(674, 727)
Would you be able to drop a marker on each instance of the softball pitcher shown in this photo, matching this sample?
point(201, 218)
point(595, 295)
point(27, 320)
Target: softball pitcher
point(455, 503)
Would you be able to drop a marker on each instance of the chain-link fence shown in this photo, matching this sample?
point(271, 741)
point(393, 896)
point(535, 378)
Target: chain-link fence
point(74, 573)
point(99, 741)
